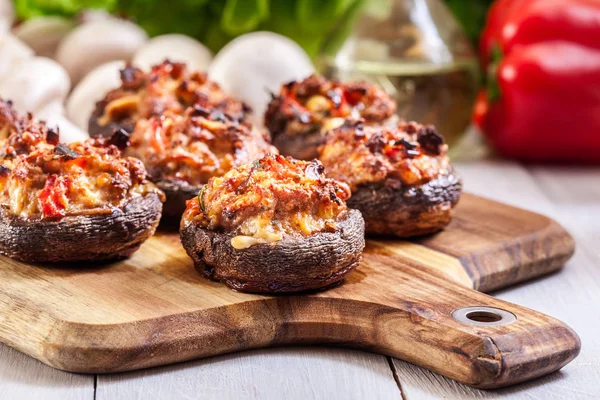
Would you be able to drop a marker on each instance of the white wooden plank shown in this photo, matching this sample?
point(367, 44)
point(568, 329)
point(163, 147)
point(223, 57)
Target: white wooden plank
point(572, 295)
point(576, 195)
point(283, 373)
point(22, 377)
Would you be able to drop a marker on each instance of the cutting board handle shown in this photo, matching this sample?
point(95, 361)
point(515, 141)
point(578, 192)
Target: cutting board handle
point(452, 330)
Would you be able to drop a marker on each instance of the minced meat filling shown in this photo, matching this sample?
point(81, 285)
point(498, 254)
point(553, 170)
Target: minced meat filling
point(169, 88)
point(317, 104)
point(405, 154)
point(196, 146)
point(269, 198)
point(40, 178)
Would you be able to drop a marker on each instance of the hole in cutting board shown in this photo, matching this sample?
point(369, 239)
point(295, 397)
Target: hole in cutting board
point(483, 316)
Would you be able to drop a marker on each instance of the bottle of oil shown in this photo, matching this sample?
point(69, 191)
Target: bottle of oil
point(415, 50)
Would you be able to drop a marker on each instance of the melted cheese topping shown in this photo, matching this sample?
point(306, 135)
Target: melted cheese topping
point(268, 199)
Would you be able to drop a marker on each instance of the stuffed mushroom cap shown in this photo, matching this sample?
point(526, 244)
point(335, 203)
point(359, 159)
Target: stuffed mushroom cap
point(182, 152)
point(75, 202)
point(168, 88)
point(304, 110)
point(272, 226)
point(400, 176)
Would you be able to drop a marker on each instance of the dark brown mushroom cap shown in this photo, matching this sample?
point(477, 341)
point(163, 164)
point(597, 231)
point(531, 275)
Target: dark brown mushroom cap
point(407, 211)
point(81, 238)
point(177, 193)
point(300, 147)
point(295, 263)
point(95, 129)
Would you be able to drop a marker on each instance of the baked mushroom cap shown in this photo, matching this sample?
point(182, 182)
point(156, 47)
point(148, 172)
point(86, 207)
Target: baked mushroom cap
point(304, 110)
point(94, 237)
point(169, 88)
point(274, 226)
point(75, 202)
point(182, 152)
point(177, 193)
point(400, 177)
point(293, 264)
point(408, 211)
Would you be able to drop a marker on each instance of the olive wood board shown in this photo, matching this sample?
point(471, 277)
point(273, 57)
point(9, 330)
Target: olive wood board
point(403, 300)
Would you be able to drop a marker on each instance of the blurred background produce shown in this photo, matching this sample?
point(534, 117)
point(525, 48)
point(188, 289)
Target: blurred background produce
point(542, 100)
point(414, 48)
point(421, 51)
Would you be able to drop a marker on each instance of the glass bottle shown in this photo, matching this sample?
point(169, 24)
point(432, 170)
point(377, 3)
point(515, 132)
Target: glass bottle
point(417, 51)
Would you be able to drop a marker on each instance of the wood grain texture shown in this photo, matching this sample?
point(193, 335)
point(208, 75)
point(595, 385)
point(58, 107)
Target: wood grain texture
point(298, 373)
point(154, 309)
point(571, 195)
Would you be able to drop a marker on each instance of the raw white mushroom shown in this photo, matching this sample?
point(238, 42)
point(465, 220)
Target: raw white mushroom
point(52, 108)
point(91, 15)
point(53, 115)
point(175, 47)
point(43, 34)
point(98, 42)
point(257, 63)
point(68, 131)
point(7, 15)
point(91, 89)
point(35, 82)
point(12, 51)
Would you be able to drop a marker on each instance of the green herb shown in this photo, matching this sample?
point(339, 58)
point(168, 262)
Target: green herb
point(256, 164)
point(27, 9)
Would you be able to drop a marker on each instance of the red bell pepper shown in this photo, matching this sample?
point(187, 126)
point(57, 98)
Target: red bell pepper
point(542, 102)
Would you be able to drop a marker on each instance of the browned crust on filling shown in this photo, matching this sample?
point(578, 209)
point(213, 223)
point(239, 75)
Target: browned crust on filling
point(270, 197)
point(75, 202)
point(169, 88)
point(400, 177)
point(182, 152)
point(299, 116)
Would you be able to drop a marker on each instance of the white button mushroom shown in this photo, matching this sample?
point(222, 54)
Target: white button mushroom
point(43, 34)
point(53, 115)
point(256, 63)
point(98, 42)
point(7, 15)
point(12, 51)
point(35, 82)
point(175, 47)
point(68, 131)
point(91, 89)
point(52, 108)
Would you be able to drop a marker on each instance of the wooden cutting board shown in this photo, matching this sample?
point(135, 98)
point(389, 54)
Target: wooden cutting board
point(407, 299)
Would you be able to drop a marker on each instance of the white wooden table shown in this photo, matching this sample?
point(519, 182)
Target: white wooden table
point(570, 195)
